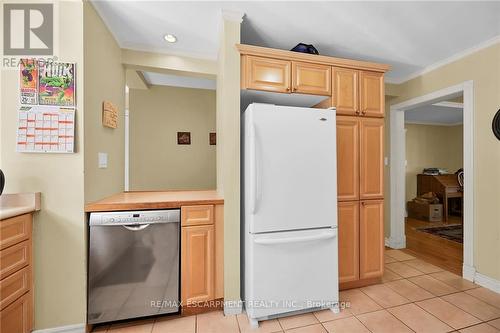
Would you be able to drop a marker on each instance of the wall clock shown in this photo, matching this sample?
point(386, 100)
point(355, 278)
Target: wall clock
point(496, 124)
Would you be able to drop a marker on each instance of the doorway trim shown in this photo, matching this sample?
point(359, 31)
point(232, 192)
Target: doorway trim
point(397, 237)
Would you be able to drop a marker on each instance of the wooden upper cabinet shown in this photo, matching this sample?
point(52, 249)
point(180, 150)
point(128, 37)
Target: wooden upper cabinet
point(347, 158)
point(348, 218)
point(372, 97)
point(314, 79)
point(266, 74)
point(345, 91)
point(371, 239)
point(371, 175)
point(197, 264)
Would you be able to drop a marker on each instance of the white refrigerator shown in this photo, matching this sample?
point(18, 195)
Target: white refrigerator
point(290, 261)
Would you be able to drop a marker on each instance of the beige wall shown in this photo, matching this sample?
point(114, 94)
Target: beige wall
point(157, 162)
point(228, 152)
point(59, 243)
point(104, 81)
point(483, 67)
point(431, 146)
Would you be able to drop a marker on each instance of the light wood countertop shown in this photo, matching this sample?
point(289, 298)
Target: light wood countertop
point(18, 203)
point(154, 200)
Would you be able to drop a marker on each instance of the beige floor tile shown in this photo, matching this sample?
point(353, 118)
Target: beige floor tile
point(398, 255)
point(384, 296)
point(318, 328)
point(328, 315)
point(423, 266)
point(432, 285)
point(176, 325)
point(474, 306)
point(346, 325)
point(216, 322)
point(486, 295)
point(358, 302)
point(454, 280)
point(140, 326)
point(403, 269)
point(298, 321)
point(382, 322)
point(495, 323)
point(388, 259)
point(390, 276)
point(450, 314)
point(482, 328)
point(418, 319)
point(266, 326)
point(409, 290)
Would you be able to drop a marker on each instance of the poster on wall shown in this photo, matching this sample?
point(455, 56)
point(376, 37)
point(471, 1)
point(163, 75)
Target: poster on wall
point(28, 81)
point(56, 84)
point(45, 129)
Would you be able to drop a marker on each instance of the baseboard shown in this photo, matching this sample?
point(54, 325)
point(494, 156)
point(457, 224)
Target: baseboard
point(395, 243)
point(77, 328)
point(233, 307)
point(487, 282)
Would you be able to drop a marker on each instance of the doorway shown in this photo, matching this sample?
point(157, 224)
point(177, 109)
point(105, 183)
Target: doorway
point(398, 168)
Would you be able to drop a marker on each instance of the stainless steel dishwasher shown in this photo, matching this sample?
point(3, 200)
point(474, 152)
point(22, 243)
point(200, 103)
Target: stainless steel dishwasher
point(133, 267)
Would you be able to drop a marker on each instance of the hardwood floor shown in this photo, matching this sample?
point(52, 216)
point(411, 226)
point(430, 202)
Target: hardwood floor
point(436, 250)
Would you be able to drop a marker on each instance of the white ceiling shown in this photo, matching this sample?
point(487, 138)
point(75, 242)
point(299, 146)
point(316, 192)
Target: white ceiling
point(410, 36)
point(179, 81)
point(435, 115)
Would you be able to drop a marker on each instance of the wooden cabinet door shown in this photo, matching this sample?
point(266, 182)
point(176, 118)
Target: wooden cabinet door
point(347, 158)
point(372, 94)
point(18, 316)
point(371, 239)
point(348, 219)
point(312, 79)
point(267, 74)
point(197, 264)
point(371, 158)
point(345, 91)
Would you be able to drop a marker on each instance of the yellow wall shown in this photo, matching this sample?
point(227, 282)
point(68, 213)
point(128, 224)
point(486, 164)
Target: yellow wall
point(228, 152)
point(483, 67)
point(157, 162)
point(59, 243)
point(431, 146)
point(104, 81)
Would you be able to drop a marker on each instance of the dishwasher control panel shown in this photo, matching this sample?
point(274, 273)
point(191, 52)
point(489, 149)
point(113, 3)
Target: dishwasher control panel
point(135, 217)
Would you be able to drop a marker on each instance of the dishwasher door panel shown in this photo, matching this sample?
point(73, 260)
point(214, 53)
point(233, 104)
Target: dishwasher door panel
point(133, 273)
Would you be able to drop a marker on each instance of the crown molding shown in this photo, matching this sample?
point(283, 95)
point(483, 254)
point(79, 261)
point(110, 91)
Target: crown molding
point(446, 61)
point(232, 15)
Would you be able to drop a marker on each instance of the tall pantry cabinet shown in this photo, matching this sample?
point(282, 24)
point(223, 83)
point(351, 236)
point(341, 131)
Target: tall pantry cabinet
point(360, 174)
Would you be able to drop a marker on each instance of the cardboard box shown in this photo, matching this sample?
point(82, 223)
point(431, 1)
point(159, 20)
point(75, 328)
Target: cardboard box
point(426, 212)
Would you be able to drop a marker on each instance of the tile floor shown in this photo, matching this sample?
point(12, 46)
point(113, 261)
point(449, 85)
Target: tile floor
point(415, 296)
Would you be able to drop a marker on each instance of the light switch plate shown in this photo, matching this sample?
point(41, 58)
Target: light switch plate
point(102, 160)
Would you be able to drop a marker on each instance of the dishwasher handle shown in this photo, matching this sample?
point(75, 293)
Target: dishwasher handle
point(135, 227)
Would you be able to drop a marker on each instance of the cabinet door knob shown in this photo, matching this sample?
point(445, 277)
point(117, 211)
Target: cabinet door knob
point(294, 88)
point(287, 88)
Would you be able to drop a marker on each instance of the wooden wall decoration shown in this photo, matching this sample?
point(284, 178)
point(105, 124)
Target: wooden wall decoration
point(212, 138)
point(183, 138)
point(109, 115)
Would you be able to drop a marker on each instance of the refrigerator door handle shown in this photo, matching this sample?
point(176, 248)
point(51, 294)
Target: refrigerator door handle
point(255, 174)
point(273, 241)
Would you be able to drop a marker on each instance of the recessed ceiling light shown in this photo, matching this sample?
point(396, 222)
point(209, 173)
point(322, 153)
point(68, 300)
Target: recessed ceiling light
point(170, 38)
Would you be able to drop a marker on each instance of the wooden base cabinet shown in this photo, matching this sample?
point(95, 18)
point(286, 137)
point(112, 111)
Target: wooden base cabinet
point(348, 224)
point(202, 253)
point(16, 283)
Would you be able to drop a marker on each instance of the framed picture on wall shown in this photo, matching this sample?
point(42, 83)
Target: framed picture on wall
point(183, 138)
